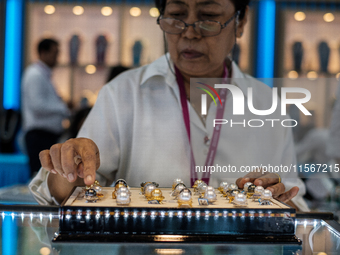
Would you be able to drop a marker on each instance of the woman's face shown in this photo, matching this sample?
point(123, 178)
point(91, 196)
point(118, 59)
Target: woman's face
point(198, 56)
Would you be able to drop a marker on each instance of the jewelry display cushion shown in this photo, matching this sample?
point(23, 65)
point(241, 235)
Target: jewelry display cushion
point(141, 218)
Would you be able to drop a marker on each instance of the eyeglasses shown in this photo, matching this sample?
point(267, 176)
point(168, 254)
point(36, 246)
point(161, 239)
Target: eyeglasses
point(203, 27)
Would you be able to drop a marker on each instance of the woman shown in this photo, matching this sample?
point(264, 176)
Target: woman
point(137, 123)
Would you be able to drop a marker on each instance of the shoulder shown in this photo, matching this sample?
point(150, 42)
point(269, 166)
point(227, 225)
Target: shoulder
point(32, 71)
point(133, 79)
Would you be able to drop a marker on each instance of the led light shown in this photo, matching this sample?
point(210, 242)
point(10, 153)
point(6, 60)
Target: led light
point(225, 214)
point(171, 214)
point(31, 216)
point(265, 41)
point(143, 214)
point(41, 216)
point(78, 10)
point(153, 214)
point(135, 214)
point(13, 54)
point(180, 214)
point(116, 214)
point(106, 11)
point(162, 214)
point(312, 75)
point(328, 17)
point(154, 12)
point(68, 216)
point(300, 16)
point(260, 214)
point(293, 75)
point(126, 214)
point(49, 9)
point(90, 69)
point(88, 214)
point(198, 214)
point(305, 223)
point(97, 215)
point(135, 12)
point(189, 213)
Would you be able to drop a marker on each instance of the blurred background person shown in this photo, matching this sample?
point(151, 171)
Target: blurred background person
point(333, 149)
point(42, 109)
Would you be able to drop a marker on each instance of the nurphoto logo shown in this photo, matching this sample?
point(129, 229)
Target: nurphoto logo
point(239, 104)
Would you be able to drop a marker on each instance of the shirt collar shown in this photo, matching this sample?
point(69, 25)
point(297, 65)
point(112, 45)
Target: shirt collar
point(239, 78)
point(160, 67)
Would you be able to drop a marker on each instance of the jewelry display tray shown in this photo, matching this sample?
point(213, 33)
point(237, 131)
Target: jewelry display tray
point(105, 221)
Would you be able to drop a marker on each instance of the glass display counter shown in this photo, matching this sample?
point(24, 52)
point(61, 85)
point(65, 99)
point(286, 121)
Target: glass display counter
point(30, 229)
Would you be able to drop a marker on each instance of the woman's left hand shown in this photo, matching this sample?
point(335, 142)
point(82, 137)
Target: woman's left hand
point(271, 182)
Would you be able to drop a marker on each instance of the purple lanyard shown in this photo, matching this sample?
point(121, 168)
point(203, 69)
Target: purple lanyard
point(217, 129)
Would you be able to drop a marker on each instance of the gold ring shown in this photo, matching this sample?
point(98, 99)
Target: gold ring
point(278, 177)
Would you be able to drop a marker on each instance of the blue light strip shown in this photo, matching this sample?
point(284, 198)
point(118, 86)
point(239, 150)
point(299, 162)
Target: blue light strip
point(13, 53)
point(9, 235)
point(266, 39)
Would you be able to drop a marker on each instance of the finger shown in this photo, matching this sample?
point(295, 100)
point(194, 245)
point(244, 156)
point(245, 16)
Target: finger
point(267, 180)
point(56, 160)
point(277, 189)
point(241, 181)
point(285, 197)
point(91, 162)
point(67, 160)
point(46, 162)
point(250, 177)
point(80, 170)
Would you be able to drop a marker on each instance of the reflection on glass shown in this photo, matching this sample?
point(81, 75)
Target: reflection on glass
point(45, 251)
point(337, 76)
point(169, 251)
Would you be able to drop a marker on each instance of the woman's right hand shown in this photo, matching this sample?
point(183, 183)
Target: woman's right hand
point(75, 157)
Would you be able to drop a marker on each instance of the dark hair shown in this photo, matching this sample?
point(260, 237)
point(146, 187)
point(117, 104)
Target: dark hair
point(115, 70)
point(46, 45)
point(240, 5)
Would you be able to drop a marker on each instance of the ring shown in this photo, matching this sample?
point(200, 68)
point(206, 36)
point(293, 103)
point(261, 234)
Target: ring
point(278, 177)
